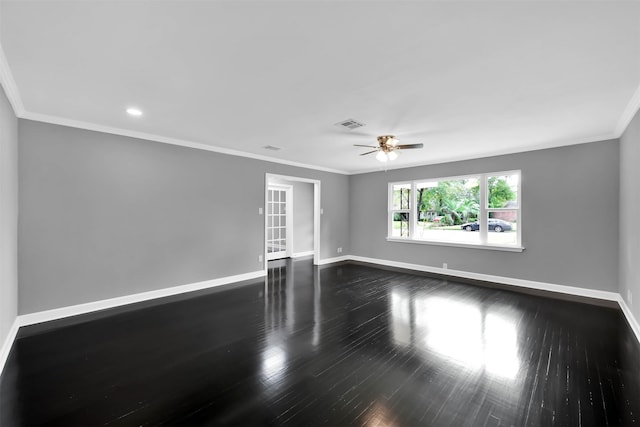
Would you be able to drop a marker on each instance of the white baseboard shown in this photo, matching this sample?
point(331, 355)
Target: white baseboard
point(302, 254)
point(59, 313)
point(74, 310)
point(530, 284)
point(8, 342)
point(635, 326)
point(336, 259)
point(570, 290)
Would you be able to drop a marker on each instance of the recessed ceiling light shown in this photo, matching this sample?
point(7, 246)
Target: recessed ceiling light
point(134, 112)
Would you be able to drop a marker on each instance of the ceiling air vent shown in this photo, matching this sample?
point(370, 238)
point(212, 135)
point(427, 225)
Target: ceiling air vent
point(350, 124)
point(271, 147)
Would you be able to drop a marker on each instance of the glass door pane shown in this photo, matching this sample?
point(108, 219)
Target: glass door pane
point(276, 222)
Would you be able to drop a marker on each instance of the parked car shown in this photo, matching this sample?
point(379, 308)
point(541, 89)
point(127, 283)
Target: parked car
point(496, 225)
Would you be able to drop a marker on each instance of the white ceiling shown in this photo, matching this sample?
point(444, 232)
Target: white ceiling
point(467, 79)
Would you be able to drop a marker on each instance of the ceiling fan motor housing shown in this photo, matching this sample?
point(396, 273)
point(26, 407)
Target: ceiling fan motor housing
point(387, 143)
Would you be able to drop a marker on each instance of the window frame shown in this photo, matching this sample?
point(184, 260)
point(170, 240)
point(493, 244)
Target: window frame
point(483, 214)
point(393, 211)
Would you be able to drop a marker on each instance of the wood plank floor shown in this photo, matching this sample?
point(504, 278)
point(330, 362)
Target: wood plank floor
point(340, 345)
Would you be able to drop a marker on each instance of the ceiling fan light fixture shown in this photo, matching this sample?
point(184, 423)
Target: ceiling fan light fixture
point(388, 148)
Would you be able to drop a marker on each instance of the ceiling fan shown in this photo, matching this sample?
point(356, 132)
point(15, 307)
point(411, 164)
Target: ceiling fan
point(387, 148)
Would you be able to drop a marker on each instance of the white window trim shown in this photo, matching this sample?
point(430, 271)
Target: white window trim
point(392, 211)
point(482, 215)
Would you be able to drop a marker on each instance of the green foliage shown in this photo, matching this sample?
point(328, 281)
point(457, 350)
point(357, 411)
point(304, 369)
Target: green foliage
point(500, 193)
point(455, 201)
point(446, 220)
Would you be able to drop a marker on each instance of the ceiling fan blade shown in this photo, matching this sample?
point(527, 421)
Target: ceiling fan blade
point(368, 152)
point(368, 146)
point(409, 146)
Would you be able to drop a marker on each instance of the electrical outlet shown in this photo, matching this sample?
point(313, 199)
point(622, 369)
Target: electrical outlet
point(339, 250)
point(259, 211)
point(630, 296)
point(444, 265)
point(321, 211)
point(259, 258)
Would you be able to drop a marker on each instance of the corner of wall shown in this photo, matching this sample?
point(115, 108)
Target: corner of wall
point(629, 203)
point(8, 223)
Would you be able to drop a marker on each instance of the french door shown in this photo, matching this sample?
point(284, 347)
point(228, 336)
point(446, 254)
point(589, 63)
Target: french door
point(278, 221)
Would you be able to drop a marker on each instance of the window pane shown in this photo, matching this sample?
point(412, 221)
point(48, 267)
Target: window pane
point(283, 196)
point(283, 233)
point(283, 208)
point(503, 191)
point(283, 221)
point(462, 233)
point(401, 196)
point(450, 209)
point(447, 203)
point(276, 196)
point(503, 228)
point(400, 227)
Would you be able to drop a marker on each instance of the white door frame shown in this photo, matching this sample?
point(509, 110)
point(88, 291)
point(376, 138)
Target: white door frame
point(316, 212)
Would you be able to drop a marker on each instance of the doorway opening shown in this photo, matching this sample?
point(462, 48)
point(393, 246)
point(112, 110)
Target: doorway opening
point(279, 221)
point(292, 218)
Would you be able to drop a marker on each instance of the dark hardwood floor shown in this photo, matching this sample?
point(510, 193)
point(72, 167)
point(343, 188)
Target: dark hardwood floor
point(340, 345)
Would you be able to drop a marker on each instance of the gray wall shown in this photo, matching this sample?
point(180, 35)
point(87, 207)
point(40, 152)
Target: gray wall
point(8, 216)
point(303, 217)
point(104, 216)
point(629, 211)
point(569, 214)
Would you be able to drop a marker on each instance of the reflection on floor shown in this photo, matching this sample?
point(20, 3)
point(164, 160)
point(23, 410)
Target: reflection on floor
point(469, 334)
point(337, 345)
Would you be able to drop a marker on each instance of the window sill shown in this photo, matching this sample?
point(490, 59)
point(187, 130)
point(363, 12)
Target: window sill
point(458, 245)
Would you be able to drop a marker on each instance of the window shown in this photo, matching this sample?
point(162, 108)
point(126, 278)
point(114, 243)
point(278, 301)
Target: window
point(400, 211)
point(475, 210)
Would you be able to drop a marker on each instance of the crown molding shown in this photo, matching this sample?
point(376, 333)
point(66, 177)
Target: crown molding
point(45, 118)
point(11, 90)
point(206, 147)
point(504, 152)
point(629, 113)
point(9, 85)
point(13, 95)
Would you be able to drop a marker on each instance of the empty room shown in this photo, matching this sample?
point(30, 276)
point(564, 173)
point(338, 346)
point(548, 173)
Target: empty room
point(375, 213)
